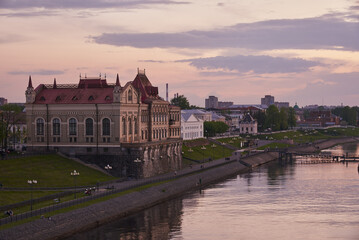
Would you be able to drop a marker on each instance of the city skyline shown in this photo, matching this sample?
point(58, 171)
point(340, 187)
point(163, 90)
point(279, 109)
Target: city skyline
point(305, 52)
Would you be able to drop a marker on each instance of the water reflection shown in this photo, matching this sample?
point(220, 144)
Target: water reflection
point(154, 223)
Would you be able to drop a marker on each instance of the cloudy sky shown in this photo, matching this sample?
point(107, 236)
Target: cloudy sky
point(299, 51)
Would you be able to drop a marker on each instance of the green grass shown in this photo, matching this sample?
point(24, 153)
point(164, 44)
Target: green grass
point(49, 171)
point(10, 197)
point(303, 136)
point(199, 154)
point(233, 141)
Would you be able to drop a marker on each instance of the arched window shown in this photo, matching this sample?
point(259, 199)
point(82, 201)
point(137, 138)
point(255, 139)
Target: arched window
point(130, 95)
point(124, 126)
point(40, 126)
point(106, 127)
point(129, 125)
point(56, 126)
point(72, 126)
point(89, 127)
point(136, 125)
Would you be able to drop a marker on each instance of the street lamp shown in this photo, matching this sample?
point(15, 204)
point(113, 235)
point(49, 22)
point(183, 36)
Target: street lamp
point(203, 148)
point(223, 144)
point(108, 168)
point(75, 173)
point(137, 160)
point(31, 183)
point(213, 146)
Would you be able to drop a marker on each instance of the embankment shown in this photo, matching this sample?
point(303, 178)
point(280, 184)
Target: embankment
point(66, 224)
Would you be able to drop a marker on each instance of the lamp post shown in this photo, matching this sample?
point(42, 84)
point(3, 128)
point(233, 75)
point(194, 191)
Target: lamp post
point(223, 148)
point(75, 174)
point(108, 167)
point(213, 146)
point(137, 160)
point(203, 148)
point(31, 183)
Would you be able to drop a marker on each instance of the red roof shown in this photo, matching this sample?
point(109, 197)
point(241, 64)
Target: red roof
point(88, 91)
point(142, 83)
point(91, 91)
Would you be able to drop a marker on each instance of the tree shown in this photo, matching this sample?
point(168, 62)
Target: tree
point(272, 118)
point(261, 119)
point(283, 114)
point(292, 120)
point(348, 114)
point(211, 129)
point(181, 101)
point(10, 115)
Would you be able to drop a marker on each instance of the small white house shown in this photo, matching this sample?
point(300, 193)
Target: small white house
point(248, 125)
point(191, 126)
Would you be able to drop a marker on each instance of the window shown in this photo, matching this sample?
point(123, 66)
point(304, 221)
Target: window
point(129, 125)
point(89, 127)
point(124, 125)
point(72, 126)
point(135, 122)
point(106, 127)
point(40, 126)
point(130, 95)
point(56, 126)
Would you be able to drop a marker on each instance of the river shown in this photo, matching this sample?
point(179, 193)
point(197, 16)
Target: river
point(298, 201)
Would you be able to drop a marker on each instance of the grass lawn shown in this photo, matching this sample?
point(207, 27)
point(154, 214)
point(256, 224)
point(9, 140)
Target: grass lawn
point(302, 136)
point(233, 141)
point(49, 171)
point(213, 151)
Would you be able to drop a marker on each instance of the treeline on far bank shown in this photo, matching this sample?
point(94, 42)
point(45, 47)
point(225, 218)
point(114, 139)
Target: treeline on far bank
point(285, 118)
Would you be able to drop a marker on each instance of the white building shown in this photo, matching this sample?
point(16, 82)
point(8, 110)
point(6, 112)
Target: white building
point(248, 125)
point(191, 126)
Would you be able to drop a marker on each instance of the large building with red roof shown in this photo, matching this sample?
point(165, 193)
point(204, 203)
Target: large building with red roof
point(106, 123)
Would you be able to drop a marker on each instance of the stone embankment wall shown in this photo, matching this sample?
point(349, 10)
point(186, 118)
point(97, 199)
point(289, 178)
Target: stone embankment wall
point(323, 144)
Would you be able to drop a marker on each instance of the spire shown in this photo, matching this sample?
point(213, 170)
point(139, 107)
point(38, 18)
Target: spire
point(117, 80)
point(55, 86)
point(30, 82)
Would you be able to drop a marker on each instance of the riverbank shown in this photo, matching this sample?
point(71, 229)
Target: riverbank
point(66, 224)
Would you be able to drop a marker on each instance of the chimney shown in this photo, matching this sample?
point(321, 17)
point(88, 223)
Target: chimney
point(167, 92)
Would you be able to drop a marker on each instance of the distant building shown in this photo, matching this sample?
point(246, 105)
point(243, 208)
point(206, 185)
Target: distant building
point(248, 125)
point(280, 105)
point(224, 104)
point(191, 126)
point(106, 123)
point(319, 118)
point(3, 101)
point(211, 102)
point(267, 100)
point(200, 114)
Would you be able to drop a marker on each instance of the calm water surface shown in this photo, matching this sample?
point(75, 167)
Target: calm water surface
point(311, 201)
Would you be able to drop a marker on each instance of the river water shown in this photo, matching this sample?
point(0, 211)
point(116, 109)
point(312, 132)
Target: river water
point(298, 201)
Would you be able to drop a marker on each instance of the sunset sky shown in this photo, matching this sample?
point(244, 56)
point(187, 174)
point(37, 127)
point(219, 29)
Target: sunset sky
point(299, 51)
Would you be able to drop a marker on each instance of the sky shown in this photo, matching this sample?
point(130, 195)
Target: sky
point(304, 52)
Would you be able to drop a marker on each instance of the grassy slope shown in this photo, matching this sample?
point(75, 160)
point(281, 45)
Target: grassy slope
point(48, 170)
